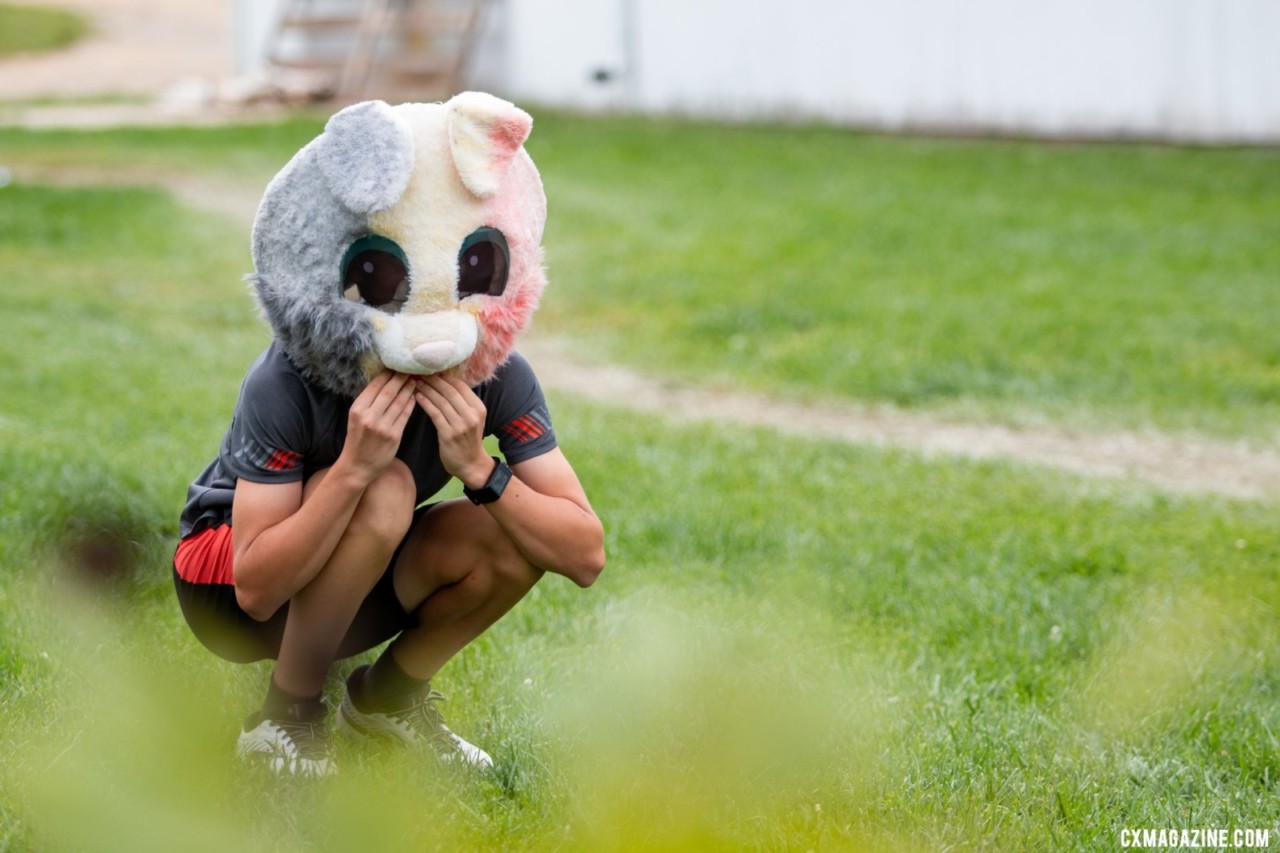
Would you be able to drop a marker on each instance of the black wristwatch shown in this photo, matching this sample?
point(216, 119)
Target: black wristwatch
point(493, 487)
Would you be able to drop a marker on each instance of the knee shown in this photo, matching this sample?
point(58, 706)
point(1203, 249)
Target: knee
point(385, 510)
point(502, 560)
point(482, 555)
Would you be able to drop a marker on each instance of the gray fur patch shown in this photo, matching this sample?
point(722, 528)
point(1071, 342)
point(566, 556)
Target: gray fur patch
point(366, 152)
point(325, 340)
point(299, 235)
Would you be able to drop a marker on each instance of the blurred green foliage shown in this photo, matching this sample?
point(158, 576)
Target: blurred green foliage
point(30, 29)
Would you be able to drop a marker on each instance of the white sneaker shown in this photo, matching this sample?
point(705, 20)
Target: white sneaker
point(293, 744)
point(419, 723)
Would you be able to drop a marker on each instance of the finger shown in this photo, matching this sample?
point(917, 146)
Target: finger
point(426, 400)
point(402, 419)
point(454, 391)
point(433, 411)
point(437, 407)
point(461, 417)
point(403, 402)
point(389, 392)
point(435, 381)
point(469, 396)
point(448, 420)
point(371, 391)
point(442, 402)
point(466, 393)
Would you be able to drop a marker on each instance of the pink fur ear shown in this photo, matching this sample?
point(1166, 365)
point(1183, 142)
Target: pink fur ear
point(484, 134)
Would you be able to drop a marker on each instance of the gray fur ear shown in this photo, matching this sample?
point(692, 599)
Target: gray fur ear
point(366, 155)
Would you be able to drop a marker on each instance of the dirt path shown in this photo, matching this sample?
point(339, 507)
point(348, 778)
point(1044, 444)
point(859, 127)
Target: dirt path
point(136, 47)
point(1214, 467)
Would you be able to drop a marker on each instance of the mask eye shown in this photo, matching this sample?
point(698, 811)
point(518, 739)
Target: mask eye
point(375, 272)
point(483, 262)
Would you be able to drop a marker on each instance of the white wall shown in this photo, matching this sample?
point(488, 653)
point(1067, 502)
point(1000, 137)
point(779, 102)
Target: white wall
point(555, 49)
point(1181, 69)
point(254, 23)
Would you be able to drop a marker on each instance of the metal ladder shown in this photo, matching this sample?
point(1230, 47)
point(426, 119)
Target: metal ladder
point(390, 49)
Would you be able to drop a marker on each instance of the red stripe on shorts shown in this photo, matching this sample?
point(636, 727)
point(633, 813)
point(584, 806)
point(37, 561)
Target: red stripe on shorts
point(206, 556)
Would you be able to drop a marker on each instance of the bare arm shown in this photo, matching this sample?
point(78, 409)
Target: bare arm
point(281, 541)
point(544, 508)
point(547, 514)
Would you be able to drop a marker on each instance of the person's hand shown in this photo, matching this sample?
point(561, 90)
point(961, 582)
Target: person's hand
point(376, 423)
point(458, 415)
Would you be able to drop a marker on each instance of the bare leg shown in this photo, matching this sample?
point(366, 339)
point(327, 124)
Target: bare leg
point(321, 613)
point(460, 573)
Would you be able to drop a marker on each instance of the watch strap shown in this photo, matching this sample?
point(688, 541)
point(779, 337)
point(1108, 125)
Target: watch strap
point(493, 487)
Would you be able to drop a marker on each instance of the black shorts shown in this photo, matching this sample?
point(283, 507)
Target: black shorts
point(208, 602)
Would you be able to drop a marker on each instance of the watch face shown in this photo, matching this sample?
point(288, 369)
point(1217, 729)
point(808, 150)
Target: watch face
point(494, 487)
point(498, 480)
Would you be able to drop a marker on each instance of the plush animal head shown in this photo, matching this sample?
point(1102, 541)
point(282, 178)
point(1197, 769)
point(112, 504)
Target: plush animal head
point(407, 237)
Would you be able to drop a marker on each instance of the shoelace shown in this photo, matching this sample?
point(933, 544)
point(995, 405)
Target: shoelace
point(311, 740)
point(425, 718)
point(309, 736)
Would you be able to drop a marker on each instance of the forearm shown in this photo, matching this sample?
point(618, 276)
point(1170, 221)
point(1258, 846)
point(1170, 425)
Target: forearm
point(554, 534)
point(543, 508)
point(282, 559)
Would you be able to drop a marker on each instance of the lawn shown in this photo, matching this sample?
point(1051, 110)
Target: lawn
point(796, 645)
point(1118, 286)
point(30, 29)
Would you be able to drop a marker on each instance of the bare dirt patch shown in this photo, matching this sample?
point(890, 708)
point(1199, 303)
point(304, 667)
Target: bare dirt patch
point(136, 47)
point(1197, 466)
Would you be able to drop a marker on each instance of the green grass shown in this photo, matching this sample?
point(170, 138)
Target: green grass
point(1097, 285)
point(795, 646)
point(28, 29)
point(248, 154)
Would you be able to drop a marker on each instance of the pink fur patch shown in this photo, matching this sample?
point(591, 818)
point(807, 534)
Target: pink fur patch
point(518, 210)
point(510, 131)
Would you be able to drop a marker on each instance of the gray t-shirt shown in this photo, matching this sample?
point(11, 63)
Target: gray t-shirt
point(283, 429)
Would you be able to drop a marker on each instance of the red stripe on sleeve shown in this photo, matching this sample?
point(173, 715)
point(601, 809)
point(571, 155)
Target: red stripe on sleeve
point(281, 460)
point(532, 429)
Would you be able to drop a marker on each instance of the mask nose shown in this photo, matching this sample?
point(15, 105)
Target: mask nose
point(435, 355)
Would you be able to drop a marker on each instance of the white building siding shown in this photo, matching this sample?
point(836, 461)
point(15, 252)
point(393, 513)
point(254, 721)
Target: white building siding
point(1205, 70)
point(1182, 69)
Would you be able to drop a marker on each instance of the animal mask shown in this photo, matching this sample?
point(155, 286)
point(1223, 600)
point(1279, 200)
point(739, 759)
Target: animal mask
point(407, 237)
